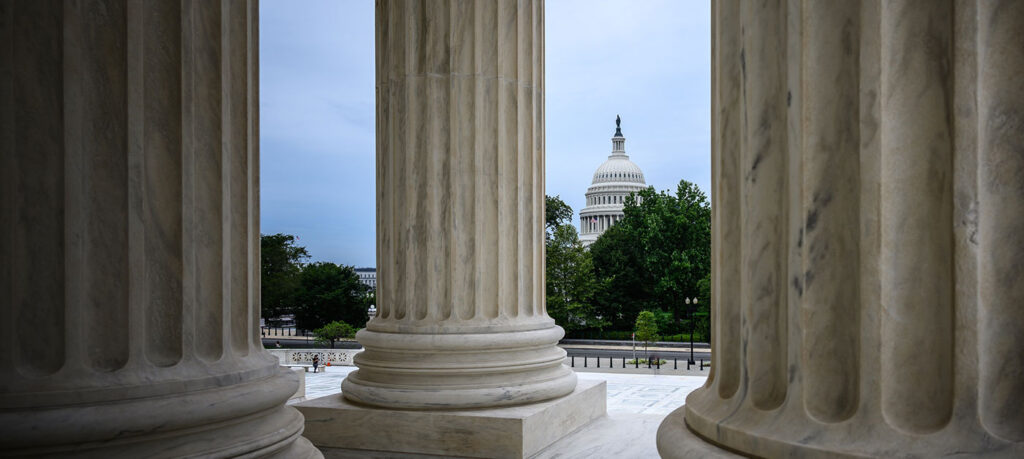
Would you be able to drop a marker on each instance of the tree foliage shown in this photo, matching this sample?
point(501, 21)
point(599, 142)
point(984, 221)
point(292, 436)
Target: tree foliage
point(655, 257)
point(556, 213)
point(334, 331)
point(703, 309)
point(280, 265)
point(328, 292)
point(570, 281)
point(646, 328)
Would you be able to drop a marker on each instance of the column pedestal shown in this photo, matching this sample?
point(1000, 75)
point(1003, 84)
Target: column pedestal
point(337, 425)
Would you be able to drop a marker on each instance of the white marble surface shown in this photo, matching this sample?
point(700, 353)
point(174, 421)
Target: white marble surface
point(129, 235)
point(868, 173)
point(636, 404)
point(338, 425)
point(461, 319)
point(627, 393)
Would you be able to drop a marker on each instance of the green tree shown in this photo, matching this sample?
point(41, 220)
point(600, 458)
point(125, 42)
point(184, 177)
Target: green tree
point(329, 292)
point(556, 213)
point(334, 331)
point(280, 265)
point(647, 328)
point(704, 309)
point(655, 256)
point(622, 290)
point(570, 281)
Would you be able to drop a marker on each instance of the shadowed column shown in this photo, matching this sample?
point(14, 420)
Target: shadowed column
point(130, 234)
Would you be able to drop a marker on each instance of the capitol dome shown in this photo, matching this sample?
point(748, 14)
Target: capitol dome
point(619, 169)
point(614, 180)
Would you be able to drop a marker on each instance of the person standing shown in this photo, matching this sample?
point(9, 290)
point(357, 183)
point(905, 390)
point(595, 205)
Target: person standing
point(316, 362)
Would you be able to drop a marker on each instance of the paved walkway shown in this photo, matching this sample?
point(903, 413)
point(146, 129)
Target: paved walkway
point(636, 405)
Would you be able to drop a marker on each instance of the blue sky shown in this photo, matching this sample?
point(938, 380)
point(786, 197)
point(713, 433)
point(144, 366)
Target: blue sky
point(648, 61)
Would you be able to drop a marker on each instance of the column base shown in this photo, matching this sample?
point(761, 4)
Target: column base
point(246, 419)
point(339, 425)
point(459, 370)
point(676, 441)
point(788, 431)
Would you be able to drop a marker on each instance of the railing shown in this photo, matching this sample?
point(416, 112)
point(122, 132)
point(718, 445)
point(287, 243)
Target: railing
point(270, 332)
point(635, 363)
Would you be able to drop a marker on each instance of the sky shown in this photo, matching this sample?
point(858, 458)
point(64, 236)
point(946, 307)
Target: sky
point(647, 61)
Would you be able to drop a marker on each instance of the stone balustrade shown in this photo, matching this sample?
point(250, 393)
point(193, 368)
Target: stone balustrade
point(343, 357)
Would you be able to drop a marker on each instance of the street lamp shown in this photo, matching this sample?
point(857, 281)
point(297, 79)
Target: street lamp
point(372, 311)
point(691, 361)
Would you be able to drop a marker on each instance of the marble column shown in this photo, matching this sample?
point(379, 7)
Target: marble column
point(461, 317)
point(129, 234)
point(868, 267)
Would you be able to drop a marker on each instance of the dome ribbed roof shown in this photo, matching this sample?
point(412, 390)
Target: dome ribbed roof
point(618, 168)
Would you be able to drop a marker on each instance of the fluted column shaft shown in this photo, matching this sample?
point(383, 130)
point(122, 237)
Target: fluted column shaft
point(868, 174)
point(460, 209)
point(130, 234)
point(460, 165)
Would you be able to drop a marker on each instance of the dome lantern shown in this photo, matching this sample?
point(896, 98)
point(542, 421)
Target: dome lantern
point(618, 141)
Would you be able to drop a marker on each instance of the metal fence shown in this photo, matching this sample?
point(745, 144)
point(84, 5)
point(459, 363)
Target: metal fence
point(635, 363)
point(270, 332)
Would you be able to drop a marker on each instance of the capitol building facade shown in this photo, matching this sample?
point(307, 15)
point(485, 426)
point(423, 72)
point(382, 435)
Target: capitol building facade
point(615, 179)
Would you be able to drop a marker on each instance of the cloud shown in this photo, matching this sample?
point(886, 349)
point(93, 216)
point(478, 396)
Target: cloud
point(648, 61)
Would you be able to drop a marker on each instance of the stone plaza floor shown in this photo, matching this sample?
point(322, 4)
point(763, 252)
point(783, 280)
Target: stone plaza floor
point(637, 403)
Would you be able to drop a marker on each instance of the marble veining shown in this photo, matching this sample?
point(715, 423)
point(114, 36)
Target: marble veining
point(129, 234)
point(460, 201)
point(869, 155)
